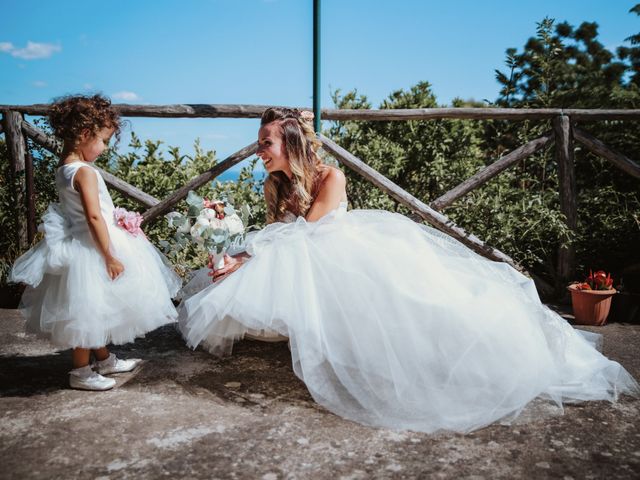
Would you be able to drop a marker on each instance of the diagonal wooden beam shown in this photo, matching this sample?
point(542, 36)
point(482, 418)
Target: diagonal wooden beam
point(497, 167)
point(436, 219)
point(198, 181)
point(41, 138)
point(621, 161)
point(55, 147)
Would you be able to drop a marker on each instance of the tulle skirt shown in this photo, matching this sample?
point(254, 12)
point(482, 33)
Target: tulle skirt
point(71, 300)
point(395, 324)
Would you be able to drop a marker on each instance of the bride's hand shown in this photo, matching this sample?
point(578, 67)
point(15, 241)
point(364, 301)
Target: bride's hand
point(231, 264)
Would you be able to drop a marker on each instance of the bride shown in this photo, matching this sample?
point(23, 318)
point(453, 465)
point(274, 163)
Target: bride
point(390, 323)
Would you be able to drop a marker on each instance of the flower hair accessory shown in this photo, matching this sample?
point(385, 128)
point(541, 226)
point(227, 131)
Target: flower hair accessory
point(306, 115)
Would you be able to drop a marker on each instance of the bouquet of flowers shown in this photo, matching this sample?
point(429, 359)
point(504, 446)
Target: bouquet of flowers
point(213, 225)
point(129, 221)
point(596, 281)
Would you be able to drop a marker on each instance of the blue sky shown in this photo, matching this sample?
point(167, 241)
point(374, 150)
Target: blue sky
point(260, 52)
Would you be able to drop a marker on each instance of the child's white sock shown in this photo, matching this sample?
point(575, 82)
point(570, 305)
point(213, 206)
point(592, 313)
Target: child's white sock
point(82, 372)
point(107, 362)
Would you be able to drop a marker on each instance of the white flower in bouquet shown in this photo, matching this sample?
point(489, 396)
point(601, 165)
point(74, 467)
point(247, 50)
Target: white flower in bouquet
point(234, 224)
point(208, 213)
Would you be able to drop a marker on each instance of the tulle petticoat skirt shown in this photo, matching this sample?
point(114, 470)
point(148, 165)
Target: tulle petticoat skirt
point(73, 302)
point(395, 324)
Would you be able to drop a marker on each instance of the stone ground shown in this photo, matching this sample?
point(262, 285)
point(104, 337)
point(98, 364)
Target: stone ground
point(185, 414)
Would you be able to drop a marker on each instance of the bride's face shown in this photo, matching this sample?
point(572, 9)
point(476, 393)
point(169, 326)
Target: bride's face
point(271, 149)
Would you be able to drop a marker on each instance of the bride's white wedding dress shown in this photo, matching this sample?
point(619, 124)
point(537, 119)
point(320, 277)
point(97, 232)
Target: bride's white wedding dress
point(395, 324)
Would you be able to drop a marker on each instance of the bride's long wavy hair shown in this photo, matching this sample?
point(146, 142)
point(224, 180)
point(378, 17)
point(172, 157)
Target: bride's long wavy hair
point(300, 144)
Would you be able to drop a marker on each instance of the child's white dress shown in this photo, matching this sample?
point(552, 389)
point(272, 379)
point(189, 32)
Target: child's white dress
point(398, 325)
point(70, 297)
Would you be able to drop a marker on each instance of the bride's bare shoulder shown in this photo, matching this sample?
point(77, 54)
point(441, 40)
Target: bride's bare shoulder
point(332, 187)
point(332, 175)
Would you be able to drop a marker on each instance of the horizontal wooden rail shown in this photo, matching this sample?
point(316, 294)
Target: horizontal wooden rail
point(198, 181)
point(438, 220)
point(255, 111)
point(599, 148)
point(55, 147)
point(487, 173)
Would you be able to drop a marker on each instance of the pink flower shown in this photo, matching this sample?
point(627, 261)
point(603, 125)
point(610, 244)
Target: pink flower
point(216, 205)
point(130, 221)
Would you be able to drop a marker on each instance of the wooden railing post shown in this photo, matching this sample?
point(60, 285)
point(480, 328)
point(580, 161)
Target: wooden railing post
point(16, 150)
point(31, 197)
point(567, 185)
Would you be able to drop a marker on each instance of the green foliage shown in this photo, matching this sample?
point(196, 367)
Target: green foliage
point(568, 67)
point(426, 157)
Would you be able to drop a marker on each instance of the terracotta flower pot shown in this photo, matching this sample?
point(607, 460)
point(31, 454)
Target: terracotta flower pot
point(591, 307)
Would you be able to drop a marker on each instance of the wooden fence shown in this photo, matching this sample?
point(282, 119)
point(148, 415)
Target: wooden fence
point(563, 134)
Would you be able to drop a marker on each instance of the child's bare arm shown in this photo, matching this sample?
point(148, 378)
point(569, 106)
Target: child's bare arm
point(86, 183)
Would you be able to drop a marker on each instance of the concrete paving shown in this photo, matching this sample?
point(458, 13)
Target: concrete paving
point(186, 414)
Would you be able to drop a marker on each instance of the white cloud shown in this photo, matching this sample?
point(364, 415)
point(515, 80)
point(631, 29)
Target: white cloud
point(126, 96)
point(32, 51)
point(39, 84)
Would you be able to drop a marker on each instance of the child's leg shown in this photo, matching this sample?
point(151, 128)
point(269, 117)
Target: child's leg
point(80, 357)
point(101, 353)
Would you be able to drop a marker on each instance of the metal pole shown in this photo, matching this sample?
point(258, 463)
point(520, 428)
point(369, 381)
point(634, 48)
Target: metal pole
point(316, 65)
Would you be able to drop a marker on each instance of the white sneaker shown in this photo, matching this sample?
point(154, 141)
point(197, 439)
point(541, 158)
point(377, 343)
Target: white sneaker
point(86, 379)
point(113, 364)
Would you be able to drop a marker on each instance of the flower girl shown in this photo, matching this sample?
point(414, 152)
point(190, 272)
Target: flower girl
point(94, 279)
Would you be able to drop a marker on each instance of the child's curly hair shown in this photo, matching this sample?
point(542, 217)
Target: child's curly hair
point(73, 115)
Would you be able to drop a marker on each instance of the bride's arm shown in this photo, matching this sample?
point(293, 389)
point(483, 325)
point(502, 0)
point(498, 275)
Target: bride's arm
point(332, 192)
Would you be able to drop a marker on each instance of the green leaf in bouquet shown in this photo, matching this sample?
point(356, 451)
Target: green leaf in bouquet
point(171, 218)
point(194, 200)
point(166, 246)
point(219, 235)
point(179, 221)
point(207, 233)
point(194, 210)
point(229, 210)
